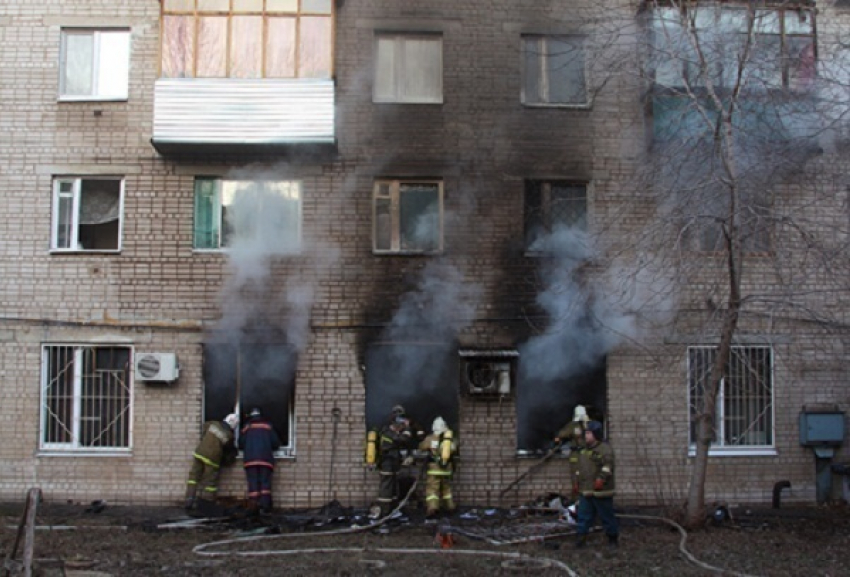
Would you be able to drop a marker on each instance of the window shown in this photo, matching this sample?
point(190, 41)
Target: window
point(744, 409)
point(231, 211)
point(782, 52)
point(94, 65)
point(249, 375)
point(553, 71)
point(408, 68)
point(408, 216)
point(553, 204)
point(247, 38)
point(85, 398)
point(709, 214)
point(87, 214)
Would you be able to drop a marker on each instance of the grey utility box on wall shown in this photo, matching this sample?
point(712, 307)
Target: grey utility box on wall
point(821, 428)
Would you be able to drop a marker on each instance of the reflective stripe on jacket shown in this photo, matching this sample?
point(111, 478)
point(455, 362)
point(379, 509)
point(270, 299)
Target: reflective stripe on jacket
point(216, 436)
point(596, 462)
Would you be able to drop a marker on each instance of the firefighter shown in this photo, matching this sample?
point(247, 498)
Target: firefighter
point(394, 441)
point(594, 483)
point(214, 450)
point(259, 441)
point(572, 435)
point(440, 447)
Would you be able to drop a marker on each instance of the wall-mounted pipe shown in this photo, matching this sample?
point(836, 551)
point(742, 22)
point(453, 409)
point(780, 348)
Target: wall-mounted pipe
point(777, 492)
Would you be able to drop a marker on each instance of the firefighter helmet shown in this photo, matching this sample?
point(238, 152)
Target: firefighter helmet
point(255, 412)
point(580, 414)
point(595, 427)
point(439, 426)
point(232, 420)
point(398, 411)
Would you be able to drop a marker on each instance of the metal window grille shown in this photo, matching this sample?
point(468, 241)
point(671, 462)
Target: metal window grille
point(744, 404)
point(86, 398)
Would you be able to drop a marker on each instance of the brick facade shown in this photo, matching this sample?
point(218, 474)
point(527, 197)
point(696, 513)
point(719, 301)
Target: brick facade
point(160, 295)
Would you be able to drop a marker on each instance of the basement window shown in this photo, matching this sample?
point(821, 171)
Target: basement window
point(241, 377)
point(247, 39)
point(744, 406)
point(553, 71)
point(553, 204)
point(407, 217)
point(87, 214)
point(265, 214)
point(86, 399)
point(408, 68)
point(94, 64)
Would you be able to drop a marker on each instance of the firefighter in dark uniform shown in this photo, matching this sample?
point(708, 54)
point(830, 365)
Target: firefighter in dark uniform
point(594, 482)
point(214, 449)
point(394, 441)
point(258, 441)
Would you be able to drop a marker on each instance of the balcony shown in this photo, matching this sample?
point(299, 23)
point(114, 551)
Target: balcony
point(194, 117)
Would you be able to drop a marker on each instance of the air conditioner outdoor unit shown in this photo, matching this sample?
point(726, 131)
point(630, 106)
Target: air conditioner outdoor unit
point(156, 367)
point(487, 378)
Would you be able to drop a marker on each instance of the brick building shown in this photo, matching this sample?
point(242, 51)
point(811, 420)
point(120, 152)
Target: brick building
point(352, 212)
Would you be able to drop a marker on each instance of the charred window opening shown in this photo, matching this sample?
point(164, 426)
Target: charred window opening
point(544, 405)
point(87, 214)
point(422, 377)
point(553, 204)
point(240, 377)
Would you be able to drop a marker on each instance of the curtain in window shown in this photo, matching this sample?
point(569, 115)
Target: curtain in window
point(79, 58)
point(206, 220)
point(178, 46)
point(100, 201)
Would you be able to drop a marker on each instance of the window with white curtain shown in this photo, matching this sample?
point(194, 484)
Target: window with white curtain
point(94, 64)
point(87, 214)
point(408, 68)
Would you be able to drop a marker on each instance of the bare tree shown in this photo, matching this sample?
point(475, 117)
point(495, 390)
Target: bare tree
point(743, 104)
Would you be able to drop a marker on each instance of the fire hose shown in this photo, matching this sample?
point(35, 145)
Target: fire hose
point(543, 460)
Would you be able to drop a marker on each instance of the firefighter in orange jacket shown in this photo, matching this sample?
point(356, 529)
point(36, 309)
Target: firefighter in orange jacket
point(441, 448)
point(213, 450)
point(258, 441)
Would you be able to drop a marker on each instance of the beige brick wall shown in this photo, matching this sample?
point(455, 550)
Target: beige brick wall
point(159, 295)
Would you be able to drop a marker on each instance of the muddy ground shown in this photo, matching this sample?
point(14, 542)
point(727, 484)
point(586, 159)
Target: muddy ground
point(792, 541)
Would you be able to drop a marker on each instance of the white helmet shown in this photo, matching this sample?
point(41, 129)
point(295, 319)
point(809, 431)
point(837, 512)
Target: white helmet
point(439, 426)
point(232, 420)
point(580, 414)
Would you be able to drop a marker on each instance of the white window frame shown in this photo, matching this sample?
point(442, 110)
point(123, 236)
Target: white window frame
point(394, 197)
point(74, 195)
point(542, 61)
point(98, 55)
point(219, 214)
point(722, 450)
point(401, 70)
point(74, 447)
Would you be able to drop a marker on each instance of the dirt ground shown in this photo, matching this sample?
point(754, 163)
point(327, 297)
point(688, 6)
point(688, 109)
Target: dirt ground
point(792, 541)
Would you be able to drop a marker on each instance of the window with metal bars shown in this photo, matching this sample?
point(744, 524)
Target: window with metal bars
point(86, 400)
point(744, 404)
point(553, 204)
